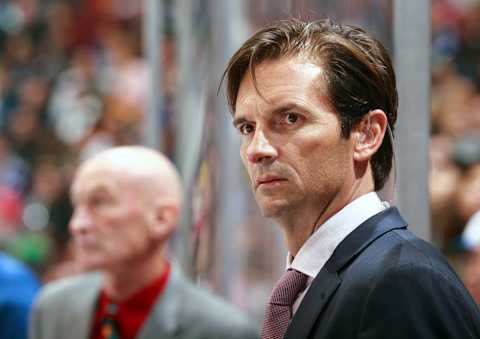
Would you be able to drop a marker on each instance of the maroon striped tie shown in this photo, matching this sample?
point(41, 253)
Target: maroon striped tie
point(279, 307)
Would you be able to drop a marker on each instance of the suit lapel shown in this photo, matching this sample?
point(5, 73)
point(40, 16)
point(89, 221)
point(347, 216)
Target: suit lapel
point(312, 304)
point(328, 280)
point(78, 321)
point(163, 322)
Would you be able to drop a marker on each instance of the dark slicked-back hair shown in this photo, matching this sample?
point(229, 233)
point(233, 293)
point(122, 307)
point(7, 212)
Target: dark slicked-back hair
point(358, 73)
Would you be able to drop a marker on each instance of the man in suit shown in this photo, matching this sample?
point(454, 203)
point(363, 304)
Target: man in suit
point(126, 206)
point(313, 104)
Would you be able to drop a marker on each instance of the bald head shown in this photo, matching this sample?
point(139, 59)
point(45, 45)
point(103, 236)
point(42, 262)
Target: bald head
point(126, 206)
point(141, 167)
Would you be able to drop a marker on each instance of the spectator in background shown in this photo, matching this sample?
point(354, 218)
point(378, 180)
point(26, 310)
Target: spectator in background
point(454, 184)
point(14, 181)
point(470, 242)
point(18, 287)
point(14, 171)
point(468, 193)
point(127, 203)
point(47, 210)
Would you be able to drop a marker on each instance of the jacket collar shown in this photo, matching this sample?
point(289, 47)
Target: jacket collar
point(166, 319)
point(373, 228)
point(327, 281)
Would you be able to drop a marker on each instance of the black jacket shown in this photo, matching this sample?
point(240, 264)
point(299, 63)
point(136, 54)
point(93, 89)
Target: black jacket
point(384, 282)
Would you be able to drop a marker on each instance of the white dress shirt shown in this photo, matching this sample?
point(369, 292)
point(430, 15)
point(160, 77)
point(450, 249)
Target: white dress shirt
point(316, 251)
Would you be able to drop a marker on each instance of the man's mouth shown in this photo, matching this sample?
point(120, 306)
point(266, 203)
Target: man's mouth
point(268, 181)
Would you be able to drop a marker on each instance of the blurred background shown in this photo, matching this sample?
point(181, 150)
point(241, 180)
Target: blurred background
point(76, 78)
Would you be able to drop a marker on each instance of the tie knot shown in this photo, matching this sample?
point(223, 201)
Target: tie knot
point(288, 287)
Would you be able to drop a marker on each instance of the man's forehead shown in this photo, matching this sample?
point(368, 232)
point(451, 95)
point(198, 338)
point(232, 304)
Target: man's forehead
point(279, 83)
point(273, 71)
point(94, 178)
point(136, 169)
point(95, 168)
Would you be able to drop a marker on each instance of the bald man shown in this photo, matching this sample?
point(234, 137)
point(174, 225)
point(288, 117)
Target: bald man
point(127, 203)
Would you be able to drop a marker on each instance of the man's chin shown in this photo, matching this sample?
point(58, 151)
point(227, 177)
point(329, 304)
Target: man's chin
point(86, 265)
point(272, 209)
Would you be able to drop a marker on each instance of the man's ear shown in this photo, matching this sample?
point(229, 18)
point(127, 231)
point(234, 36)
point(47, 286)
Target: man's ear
point(368, 135)
point(166, 216)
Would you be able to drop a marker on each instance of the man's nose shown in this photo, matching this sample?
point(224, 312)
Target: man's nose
point(261, 148)
point(80, 221)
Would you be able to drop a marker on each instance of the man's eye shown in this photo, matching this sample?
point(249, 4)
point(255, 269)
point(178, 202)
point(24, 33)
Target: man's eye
point(291, 118)
point(98, 201)
point(246, 129)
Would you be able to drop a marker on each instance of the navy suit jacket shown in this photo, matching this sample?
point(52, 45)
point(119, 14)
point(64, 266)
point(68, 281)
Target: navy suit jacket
point(384, 282)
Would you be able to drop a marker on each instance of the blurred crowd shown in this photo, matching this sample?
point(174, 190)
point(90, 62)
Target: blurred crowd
point(455, 141)
point(455, 118)
point(73, 81)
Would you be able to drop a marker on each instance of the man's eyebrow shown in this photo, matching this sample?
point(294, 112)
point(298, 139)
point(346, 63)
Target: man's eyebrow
point(100, 189)
point(277, 110)
point(285, 108)
point(238, 121)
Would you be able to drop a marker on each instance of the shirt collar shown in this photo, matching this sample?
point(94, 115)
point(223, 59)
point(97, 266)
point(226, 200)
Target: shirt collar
point(316, 251)
point(145, 297)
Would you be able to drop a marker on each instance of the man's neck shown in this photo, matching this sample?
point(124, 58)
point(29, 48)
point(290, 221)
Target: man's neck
point(302, 223)
point(121, 283)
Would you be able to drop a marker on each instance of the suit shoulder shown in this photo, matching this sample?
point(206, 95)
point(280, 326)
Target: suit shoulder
point(402, 248)
point(59, 300)
point(424, 300)
point(62, 290)
point(215, 313)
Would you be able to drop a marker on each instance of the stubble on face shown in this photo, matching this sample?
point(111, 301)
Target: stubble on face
point(310, 154)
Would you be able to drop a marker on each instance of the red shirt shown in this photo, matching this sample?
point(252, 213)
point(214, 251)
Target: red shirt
point(132, 312)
